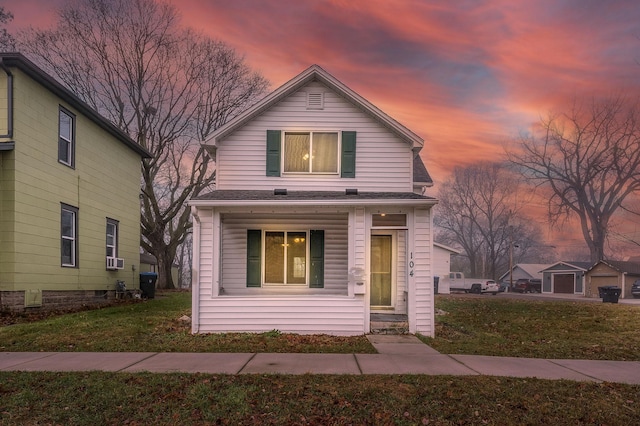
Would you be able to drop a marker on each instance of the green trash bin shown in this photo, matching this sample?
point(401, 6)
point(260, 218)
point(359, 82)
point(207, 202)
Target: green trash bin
point(148, 284)
point(609, 293)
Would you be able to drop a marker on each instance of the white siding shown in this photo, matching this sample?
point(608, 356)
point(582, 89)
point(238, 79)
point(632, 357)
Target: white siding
point(234, 249)
point(296, 314)
point(441, 268)
point(423, 315)
point(383, 161)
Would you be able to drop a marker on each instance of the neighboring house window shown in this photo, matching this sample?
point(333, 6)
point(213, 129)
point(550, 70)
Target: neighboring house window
point(69, 236)
point(289, 257)
point(112, 238)
point(66, 138)
point(311, 153)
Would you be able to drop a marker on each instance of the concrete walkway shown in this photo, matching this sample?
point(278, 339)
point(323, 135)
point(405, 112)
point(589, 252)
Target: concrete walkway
point(403, 354)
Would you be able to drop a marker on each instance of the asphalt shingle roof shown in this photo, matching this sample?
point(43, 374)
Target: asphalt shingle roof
point(262, 195)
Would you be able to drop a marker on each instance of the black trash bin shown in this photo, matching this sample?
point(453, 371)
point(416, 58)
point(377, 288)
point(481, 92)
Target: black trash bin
point(148, 284)
point(436, 280)
point(609, 293)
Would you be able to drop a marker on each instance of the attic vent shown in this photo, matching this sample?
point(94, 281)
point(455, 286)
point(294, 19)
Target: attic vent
point(315, 100)
point(280, 191)
point(351, 191)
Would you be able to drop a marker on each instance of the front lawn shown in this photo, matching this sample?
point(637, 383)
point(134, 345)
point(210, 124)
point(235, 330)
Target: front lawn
point(156, 326)
point(536, 329)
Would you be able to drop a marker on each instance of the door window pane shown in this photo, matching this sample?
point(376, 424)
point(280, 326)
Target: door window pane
point(296, 257)
point(381, 282)
point(274, 257)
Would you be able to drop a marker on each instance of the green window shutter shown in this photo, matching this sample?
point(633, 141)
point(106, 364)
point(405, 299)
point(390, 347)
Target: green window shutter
point(348, 163)
point(254, 257)
point(273, 152)
point(316, 255)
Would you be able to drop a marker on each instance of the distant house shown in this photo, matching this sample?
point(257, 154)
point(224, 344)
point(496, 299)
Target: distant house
point(565, 277)
point(149, 263)
point(442, 265)
point(612, 273)
point(524, 270)
point(318, 218)
point(69, 187)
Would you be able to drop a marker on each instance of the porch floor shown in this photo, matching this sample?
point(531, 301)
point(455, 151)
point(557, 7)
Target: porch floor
point(389, 324)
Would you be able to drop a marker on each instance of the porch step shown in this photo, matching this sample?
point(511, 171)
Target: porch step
point(389, 324)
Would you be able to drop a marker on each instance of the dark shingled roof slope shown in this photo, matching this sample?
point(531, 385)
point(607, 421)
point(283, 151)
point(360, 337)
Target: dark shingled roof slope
point(420, 173)
point(233, 195)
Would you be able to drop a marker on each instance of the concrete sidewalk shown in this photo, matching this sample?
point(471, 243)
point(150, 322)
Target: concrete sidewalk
point(397, 355)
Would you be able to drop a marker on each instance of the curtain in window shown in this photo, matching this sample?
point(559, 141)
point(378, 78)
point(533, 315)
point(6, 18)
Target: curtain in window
point(325, 153)
point(296, 152)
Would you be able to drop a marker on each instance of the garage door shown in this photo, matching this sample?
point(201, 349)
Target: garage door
point(600, 282)
point(563, 283)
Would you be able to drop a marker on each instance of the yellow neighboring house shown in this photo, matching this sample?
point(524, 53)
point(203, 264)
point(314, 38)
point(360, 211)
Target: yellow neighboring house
point(69, 195)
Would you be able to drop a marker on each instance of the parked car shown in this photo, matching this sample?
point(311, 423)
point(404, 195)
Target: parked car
point(525, 285)
point(635, 289)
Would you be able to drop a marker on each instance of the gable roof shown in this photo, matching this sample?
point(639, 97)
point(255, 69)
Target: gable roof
point(632, 268)
point(316, 73)
point(534, 270)
point(447, 248)
point(581, 266)
point(19, 61)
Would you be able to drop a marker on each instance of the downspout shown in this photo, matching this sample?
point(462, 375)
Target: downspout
point(195, 273)
point(9, 134)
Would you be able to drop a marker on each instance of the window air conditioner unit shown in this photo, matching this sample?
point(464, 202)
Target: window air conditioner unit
point(114, 263)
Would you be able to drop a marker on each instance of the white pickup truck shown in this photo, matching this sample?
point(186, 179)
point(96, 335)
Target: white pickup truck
point(458, 282)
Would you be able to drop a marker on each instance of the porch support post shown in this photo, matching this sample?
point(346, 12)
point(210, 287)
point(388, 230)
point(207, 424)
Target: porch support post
point(195, 272)
point(215, 267)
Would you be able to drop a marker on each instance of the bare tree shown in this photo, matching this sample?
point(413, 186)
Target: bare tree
point(589, 161)
point(7, 42)
point(164, 85)
point(479, 210)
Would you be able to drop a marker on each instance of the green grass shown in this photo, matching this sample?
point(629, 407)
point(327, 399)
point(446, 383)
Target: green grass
point(471, 325)
point(155, 326)
point(141, 399)
point(536, 329)
point(487, 325)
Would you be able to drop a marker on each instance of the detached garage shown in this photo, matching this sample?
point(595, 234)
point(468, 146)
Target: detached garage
point(565, 278)
point(612, 273)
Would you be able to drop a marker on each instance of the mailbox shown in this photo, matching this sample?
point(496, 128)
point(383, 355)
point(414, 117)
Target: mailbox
point(357, 278)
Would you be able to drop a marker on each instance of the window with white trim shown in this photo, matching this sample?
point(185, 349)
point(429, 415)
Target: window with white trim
point(69, 236)
point(66, 137)
point(311, 152)
point(285, 258)
point(112, 238)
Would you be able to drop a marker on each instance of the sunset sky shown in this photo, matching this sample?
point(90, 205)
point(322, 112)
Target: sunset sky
point(467, 76)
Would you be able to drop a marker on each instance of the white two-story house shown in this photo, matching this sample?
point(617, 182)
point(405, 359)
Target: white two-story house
point(318, 219)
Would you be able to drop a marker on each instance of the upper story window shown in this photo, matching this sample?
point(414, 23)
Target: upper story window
point(69, 236)
point(311, 152)
point(66, 137)
point(321, 152)
point(112, 238)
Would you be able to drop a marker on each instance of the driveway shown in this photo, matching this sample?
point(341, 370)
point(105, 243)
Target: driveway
point(548, 297)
